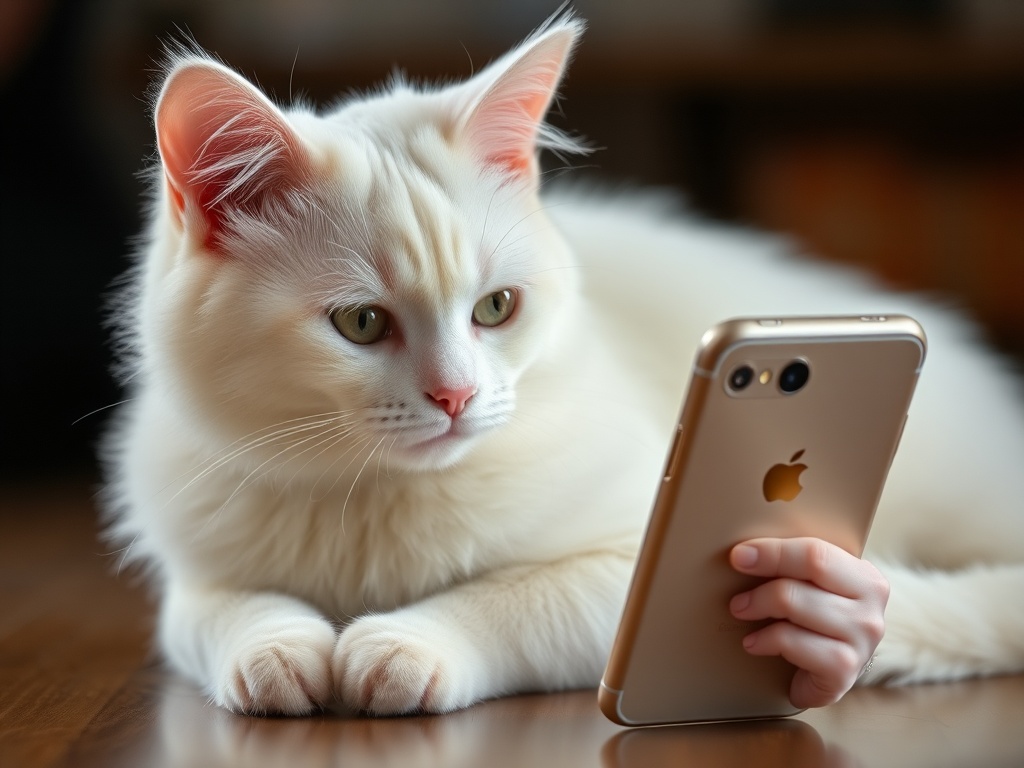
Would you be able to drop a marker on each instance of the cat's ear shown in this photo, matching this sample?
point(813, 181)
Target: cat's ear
point(223, 145)
point(505, 119)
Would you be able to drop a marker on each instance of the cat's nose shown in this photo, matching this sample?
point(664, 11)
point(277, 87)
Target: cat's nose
point(452, 401)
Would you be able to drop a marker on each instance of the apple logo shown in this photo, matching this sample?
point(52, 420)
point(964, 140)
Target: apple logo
point(782, 481)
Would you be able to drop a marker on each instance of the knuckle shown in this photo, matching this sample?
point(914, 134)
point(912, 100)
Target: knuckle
point(847, 663)
point(768, 639)
point(881, 586)
point(787, 596)
point(818, 558)
point(781, 635)
point(875, 583)
point(775, 549)
point(874, 629)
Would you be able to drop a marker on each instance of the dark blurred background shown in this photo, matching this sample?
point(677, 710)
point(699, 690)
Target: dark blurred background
point(885, 133)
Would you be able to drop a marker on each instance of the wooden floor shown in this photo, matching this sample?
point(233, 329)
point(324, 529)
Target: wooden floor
point(79, 687)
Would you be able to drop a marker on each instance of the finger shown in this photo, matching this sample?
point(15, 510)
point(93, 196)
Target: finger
point(808, 691)
point(828, 668)
point(830, 567)
point(813, 608)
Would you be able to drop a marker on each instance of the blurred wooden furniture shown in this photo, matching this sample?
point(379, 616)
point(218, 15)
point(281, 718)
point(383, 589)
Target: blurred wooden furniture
point(79, 687)
point(887, 134)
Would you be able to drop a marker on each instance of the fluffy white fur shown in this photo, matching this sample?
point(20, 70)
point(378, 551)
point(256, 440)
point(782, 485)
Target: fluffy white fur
point(320, 529)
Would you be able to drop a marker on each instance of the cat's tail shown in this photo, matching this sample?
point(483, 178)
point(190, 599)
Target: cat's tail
point(947, 625)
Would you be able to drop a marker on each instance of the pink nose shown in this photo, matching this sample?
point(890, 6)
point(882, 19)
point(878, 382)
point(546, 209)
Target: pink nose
point(452, 401)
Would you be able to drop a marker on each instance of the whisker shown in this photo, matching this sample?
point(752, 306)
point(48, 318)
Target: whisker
point(344, 507)
point(328, 442)
point(340, 433)
point(330, 436)
point(216, 461)
point(99, 410)
point(487, 216)
point(124, 553)
point(511, 229)
point(253, 439)
point(386, 457)
point(387, 462)
point(313, 496)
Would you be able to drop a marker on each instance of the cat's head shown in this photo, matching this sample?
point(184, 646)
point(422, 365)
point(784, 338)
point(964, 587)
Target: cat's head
point(374, 280)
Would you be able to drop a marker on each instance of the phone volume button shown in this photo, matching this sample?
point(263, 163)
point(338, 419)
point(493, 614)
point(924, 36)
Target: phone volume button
point(673, 457)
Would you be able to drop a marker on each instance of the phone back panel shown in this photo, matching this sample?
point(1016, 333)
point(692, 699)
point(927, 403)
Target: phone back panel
point(678, 656)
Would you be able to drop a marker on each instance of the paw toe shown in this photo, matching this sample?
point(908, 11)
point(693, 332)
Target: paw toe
point(289, 675)
point(391, 674)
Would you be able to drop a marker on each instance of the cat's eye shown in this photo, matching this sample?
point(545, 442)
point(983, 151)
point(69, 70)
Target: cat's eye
point(495, 309)
point(361, 325)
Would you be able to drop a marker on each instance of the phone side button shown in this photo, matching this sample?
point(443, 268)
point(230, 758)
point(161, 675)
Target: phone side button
point(673, 458)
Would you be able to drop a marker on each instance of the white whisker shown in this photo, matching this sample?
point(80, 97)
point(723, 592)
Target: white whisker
point(332, 425)
point(386, 457)
point(344, 507)
point(329, 441)
point(124, 553)
point(226, 456)
point(101, 409)
point(487, 216)
point(313, 496)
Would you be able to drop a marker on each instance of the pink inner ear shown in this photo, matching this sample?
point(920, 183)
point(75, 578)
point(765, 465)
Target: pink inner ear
point(223, 146)
point(506, 121)
point(520, 159)
point(177, 198)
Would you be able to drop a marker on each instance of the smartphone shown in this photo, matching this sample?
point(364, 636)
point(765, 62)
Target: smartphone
point(788, 429)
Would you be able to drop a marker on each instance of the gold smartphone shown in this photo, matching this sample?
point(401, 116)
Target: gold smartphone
point(788, 429)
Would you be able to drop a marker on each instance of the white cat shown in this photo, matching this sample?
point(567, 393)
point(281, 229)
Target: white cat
point(398, 420)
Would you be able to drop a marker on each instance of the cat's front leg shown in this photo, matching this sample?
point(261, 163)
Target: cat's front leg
point(255, 653)
point(539, 627)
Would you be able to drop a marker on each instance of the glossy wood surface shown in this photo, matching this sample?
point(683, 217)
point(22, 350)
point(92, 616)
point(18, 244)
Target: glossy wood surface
point(80, 687)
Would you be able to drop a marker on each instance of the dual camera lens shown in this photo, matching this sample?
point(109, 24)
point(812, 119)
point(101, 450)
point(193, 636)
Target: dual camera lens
point(741, 377)
point(792, 379)
point(794, 376)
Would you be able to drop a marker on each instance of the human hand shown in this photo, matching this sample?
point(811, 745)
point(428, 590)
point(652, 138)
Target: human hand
point(829, 607)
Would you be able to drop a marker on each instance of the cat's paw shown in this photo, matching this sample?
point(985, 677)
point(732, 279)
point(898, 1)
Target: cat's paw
point(279, 668)
point(388, 665)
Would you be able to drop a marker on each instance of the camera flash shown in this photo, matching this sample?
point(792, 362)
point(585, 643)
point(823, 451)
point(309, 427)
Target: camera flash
point(765, 376)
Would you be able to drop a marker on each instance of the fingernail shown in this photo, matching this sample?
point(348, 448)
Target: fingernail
point(749, 641)
point(744, 556)
point(740, 602)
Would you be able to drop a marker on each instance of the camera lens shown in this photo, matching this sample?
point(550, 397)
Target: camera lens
point(794, 376)
point(741, 377)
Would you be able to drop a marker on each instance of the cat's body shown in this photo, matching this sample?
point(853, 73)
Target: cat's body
point(464, 501)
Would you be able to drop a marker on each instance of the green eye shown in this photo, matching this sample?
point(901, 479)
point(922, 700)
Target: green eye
point(362, 325)
point(495, 309)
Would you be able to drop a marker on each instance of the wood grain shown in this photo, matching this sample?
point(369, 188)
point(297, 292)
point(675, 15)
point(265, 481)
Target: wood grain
point(80, 687)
